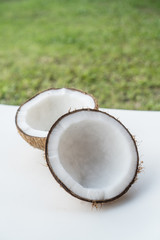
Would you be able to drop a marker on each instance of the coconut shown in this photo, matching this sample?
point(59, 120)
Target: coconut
point(35, 117)
point(92, 155)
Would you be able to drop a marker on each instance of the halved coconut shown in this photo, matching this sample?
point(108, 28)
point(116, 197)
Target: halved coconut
point(35, 117)
point(92, 155)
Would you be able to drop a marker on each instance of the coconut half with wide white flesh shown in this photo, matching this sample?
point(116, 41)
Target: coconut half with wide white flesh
point(92, 155)
point(36, 116)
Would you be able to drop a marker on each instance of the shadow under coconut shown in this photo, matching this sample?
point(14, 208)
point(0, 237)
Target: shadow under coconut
point(126, 198)
point(120, 201)
point(141, 188)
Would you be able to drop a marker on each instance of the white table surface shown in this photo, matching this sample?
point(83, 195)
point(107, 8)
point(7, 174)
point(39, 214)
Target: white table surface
point(34, 207)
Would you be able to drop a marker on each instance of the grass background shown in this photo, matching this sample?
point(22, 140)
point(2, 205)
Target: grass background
point(110, 48)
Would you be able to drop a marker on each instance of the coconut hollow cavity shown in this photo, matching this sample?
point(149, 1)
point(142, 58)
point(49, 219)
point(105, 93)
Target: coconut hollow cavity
point(92, 155)
point(36, 116)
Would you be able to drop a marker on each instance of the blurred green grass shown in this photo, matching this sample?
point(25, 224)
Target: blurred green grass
point(110, 48)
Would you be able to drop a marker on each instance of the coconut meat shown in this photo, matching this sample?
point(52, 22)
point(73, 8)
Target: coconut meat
point(92, 154)
point(37, 115)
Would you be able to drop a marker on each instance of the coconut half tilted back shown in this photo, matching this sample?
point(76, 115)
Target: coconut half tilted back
point(35, 117)
point(92, 155)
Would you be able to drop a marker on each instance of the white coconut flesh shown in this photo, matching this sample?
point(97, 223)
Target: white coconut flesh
point(37, 115)
point(92, 154)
